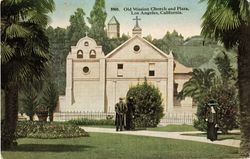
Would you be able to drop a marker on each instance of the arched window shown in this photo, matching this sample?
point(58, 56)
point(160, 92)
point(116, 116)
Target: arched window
point(92, 54)
point(86, 43)
point(79, 54)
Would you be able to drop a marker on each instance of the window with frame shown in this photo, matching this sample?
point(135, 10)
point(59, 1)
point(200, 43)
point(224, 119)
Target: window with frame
point(119, 66)
point(151, 69)
point(119, 70)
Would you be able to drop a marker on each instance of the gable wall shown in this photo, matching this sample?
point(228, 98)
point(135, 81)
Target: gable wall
point(146, 51)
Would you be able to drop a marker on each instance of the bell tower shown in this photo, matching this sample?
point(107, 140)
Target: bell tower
point(113, 28)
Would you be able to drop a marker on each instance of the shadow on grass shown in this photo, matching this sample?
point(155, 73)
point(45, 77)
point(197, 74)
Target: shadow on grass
point(50, 148)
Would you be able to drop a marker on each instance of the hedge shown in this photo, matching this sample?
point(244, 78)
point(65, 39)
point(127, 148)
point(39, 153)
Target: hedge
point(48, 130)
point(84, 121)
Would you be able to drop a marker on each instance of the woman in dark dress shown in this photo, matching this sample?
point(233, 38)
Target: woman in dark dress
point(211, 118)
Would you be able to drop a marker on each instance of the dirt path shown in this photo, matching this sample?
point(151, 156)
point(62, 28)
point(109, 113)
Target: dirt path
point(171, 135)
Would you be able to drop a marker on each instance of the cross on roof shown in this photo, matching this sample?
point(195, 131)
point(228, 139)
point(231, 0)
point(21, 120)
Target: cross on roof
point(86, 33)
point(137, 19)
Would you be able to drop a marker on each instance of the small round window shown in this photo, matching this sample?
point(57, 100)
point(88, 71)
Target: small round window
point(136, 48)
point(85, 69)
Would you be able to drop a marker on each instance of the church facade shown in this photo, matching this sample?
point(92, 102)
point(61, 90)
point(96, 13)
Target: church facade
point(94, 82)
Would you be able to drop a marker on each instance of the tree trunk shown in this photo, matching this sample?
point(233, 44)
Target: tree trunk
point(244, 89)
point(11, 114)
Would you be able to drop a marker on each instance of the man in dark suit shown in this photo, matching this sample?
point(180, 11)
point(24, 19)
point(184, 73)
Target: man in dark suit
point(120, 117)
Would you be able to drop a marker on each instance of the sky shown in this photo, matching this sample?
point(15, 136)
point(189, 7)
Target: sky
point(188, 23)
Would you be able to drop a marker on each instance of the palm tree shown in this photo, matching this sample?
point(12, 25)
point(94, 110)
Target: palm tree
point(31, 99)
point(199, 84)
point(50, 98)
point(229, 22)
point(24, 53)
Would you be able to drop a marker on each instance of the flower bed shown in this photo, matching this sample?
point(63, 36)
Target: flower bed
point(51, 130)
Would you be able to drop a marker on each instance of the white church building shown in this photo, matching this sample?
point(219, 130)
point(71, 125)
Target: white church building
point(94, 82)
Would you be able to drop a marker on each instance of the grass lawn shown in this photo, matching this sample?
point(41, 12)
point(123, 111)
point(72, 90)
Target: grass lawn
point(168, 128)
point(235, 136)
point(99, 126)
point(113, 146)
point(174, 128)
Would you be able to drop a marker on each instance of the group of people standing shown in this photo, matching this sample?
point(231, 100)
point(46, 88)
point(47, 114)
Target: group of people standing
point(124, 118)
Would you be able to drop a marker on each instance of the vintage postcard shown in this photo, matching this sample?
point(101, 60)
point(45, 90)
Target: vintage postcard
point(102, 79)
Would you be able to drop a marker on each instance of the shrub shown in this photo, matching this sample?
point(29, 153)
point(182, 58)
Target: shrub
point(227, 108)
point(147, 105)
point(51, 130)
point(227, 100)
point(200, 122)
point(85, 121)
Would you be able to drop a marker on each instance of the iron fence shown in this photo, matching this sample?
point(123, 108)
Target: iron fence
point(168, 118)
point(178, 118)
point(65, 116)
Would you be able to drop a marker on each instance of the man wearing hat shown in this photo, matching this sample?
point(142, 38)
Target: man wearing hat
point(120, 117)
point(211, 119)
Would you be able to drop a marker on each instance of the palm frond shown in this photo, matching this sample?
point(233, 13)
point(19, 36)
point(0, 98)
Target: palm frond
point(16, 31)
point(6, 53)
point(38, 18)
point(200, 82)
point(223, 20)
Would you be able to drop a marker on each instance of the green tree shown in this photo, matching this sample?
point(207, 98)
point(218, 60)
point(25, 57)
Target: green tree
point(77, 28)
point(30, 96)
point(226, 110)
point(227, 107)
point(147, 102)
point(24, 53)
point(204, 86)
point(228, 21)
point(199, 84)
point(97, 20)
point(224, 66)
point(111, 44)
point(169, 41)
point(50, 98)
point(59, 49)
point(30, 101)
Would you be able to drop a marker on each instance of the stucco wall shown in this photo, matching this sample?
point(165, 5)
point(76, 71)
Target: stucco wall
point(119, 88)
